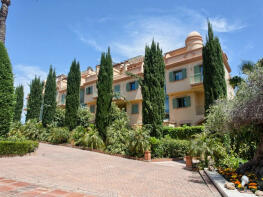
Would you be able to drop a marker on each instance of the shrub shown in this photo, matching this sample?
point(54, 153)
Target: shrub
point(169, 148)
point(118, 137)
point(157, 150)
point(84, 117)
point(59, 117)
point(76, 136)
point(175, 148)
point(58, 135)
point(8, 148)
point(138, 142)
point(93, 140)
point(184, 132)
point(230, 161)
point(32, 129)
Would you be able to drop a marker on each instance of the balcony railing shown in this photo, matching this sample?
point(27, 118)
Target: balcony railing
point(197, 78)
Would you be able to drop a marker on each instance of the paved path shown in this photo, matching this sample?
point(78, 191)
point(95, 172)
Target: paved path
point(97, 174)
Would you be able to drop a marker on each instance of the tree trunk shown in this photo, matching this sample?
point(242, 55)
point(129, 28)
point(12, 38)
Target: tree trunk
point(256, 164)
point(3, 16)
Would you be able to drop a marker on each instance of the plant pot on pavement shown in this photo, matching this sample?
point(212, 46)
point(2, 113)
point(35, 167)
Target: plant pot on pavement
point(188, 162)
point(147, 155)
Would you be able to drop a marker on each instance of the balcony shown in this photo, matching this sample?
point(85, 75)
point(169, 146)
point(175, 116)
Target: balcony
point(196, 79)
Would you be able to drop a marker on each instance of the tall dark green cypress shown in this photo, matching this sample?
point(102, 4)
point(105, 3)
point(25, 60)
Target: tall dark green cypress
point(6, 91)
point(49, 104)
point(152, 86)
point(34, 99)
point(19, 98)
point(213, 68)
point(104, 87)
point(72, 97)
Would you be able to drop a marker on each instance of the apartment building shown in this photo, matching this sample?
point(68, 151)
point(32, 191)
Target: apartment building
point(184, 103)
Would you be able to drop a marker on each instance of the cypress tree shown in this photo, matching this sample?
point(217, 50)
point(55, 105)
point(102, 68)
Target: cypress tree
point(213, 68)
point(19, 97)
point(34, 99)
point(6, 91)
point(72, 97)
point(152, 86)
point(49, 104)
point(104, 87)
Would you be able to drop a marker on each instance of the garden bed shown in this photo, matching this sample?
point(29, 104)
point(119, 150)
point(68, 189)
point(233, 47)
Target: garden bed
point(219, 181)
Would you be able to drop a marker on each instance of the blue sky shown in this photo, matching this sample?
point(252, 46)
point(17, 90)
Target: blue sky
point(45, 32)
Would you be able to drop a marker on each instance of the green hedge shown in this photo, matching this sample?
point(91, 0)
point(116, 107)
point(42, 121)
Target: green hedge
point(184, 132)
point(168, 147)
point(10, 148)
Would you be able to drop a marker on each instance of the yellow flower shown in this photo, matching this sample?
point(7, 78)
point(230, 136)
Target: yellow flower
point(239, 186)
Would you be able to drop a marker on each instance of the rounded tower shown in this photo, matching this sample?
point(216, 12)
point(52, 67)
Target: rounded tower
point(193, 41)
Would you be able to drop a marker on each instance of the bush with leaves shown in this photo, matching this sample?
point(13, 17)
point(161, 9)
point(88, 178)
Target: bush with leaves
point(117, 138)
point(84, 117)
point(138, 142)
point(93, 140)
point(59, 117)
point(58, 135)
point(32, 129)
point(77, 135)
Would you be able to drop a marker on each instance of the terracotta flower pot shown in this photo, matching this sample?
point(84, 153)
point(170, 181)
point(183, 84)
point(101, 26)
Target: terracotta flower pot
point(188, 161)
point(147, 155)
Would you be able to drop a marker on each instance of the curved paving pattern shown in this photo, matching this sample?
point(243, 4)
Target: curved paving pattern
point(98, 174)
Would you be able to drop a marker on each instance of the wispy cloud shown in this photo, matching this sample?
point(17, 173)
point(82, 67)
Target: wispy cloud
point(222, 25)
point(23, 74)
point(168, 28)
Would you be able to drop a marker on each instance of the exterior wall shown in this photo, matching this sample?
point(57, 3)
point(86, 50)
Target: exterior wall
point(184, 58)
point(135, 119)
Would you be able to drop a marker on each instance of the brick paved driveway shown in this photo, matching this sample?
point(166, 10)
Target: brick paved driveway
point(98, 174)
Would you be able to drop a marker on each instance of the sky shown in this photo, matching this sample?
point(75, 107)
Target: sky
point(41, 33)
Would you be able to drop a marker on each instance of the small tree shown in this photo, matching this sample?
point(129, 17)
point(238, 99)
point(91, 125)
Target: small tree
point(153, 88)
point(104, 86)
point(19, 96)
point(6, 91)
point(49, 105)
point(34, 99)
point(214, 73)
point(72, 97)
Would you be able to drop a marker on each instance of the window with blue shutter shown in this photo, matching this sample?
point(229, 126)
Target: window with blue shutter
point(117, 88)
point(89, 90)
point(63, 99)
point(132, 86)
point(178, 75)
point(135, 109)
point(81, 96)
point(182, 102)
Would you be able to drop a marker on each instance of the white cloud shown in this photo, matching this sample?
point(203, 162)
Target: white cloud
point(168, 28)
point(23, 74)
point(222, 25)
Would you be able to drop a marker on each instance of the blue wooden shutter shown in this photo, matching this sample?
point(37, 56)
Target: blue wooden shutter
point(117, 88)
point(127, 87)
point(135, 108)
point(171, 76)
point(188, 101)
point(91, 89)
point(136, 85)
point(184, 73)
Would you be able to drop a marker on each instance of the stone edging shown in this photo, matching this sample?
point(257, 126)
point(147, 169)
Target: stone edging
point(219, 183)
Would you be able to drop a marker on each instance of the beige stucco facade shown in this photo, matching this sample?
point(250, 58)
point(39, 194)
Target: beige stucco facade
point(183, 77)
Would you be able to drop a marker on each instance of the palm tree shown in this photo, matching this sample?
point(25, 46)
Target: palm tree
point(3, 16)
